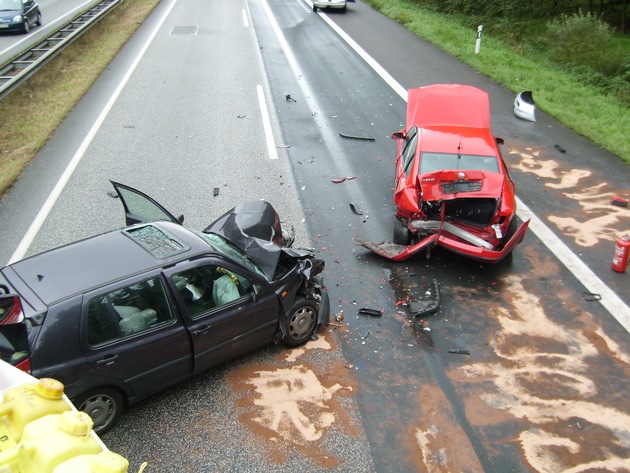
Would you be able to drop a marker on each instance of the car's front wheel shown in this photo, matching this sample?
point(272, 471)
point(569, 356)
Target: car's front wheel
point(302, 322)
point(27, 27)
point(39, 19)
point(104, 406)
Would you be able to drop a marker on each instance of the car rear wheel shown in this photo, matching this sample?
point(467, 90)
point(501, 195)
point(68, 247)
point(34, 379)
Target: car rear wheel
point(314, 8)
point(402, 235)
point(104, 406)
point(302, 322)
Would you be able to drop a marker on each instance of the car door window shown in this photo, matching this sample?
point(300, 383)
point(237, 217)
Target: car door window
point(127, 311)
point(209, 287)
point(409, 150)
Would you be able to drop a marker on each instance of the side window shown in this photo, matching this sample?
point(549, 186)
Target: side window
point(209, 287)
point(127, 311)
point(409, 150)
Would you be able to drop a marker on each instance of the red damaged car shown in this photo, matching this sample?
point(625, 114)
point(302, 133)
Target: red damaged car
point(453, 188)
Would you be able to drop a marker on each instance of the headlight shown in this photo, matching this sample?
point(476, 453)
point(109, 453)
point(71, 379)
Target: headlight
point(17, 19)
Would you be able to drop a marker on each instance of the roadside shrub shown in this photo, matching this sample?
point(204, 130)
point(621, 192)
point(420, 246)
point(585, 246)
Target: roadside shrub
point(579, 40)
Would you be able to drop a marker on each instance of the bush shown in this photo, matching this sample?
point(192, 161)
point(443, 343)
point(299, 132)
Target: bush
point(579, 40)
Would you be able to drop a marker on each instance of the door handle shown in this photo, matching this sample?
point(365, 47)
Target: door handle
point(108, 360)
point(202, 330)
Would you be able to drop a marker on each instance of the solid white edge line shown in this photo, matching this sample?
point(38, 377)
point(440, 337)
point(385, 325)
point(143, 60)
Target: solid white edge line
point(43, 213)
point(266, 121)
point(609, 299)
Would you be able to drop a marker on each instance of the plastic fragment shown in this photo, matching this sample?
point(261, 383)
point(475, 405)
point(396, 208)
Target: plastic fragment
point(459, 351)
point(372, 312)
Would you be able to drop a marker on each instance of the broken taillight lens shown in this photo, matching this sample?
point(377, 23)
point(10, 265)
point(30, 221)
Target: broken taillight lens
point(10, 310)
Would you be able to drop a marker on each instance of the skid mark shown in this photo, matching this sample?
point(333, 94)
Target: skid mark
point(443, 446)
point(548, 379)
point(295, 406)
point(601, 220)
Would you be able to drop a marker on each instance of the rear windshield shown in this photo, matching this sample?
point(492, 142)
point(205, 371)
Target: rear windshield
point(432, 162)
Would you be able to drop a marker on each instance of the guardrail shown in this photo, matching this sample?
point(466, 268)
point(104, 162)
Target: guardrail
point(19, 69)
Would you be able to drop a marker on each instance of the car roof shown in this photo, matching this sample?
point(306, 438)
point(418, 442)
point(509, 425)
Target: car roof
point(86, 264)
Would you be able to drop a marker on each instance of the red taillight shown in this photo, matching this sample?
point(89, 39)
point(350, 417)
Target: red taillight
point(11, 310)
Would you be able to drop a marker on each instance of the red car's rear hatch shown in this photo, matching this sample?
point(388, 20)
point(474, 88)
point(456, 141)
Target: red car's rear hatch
point(452, 183)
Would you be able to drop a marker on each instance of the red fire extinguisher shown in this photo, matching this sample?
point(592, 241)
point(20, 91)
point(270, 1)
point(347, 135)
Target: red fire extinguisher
point(622, 254)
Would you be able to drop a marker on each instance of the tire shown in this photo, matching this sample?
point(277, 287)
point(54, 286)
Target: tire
point(511, 230)
point(302, 322)
point(104, 406)
point(27, 27)
point(314, 8)
point(38, 22)
point(402, 235)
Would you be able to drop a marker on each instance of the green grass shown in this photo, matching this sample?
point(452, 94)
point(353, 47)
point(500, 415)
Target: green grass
point(32, 112)
point(601, 117)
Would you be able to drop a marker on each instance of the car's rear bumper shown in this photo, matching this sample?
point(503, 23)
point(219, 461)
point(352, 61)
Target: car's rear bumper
point(330, 3)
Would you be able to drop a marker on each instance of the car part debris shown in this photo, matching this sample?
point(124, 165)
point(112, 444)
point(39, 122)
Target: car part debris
point(524, 106)
point(459, 351)
point(426, 304)
point(356, 209)
point(215, 191)
point(592, 297)
point(354, 137)
point(372, 312)
point(560, 148)
point(289, 98)
point(338, 180)
point(619, 201)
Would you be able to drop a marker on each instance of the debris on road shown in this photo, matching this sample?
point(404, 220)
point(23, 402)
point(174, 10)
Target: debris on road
point(619, 201)
point(356, 209)
point(342, 179)
point(560, 148)
point(215, 191)
point(459, 351)
point(592, 297)
point(428, 303)
point(289, 98)
point(372, 312)
point(353, 137)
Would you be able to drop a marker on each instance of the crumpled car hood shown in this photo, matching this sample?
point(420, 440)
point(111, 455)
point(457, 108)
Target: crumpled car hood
point(254, 227)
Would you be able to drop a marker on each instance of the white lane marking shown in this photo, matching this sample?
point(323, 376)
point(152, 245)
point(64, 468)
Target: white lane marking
point(245, 19)
point(271, 143)
point(610, 300)
point(43, 213)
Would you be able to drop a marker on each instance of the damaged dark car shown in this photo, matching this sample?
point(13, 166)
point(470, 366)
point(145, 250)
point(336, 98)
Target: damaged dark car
point(123, 315)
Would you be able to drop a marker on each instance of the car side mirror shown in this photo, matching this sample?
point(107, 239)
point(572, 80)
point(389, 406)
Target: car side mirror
point(256, 292)
point(499, 140)
point(180, 219)
point(399, 135)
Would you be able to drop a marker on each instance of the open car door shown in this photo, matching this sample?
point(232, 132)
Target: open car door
point(140, 208)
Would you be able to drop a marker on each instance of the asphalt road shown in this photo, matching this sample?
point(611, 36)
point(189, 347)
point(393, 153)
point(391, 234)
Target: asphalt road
point(543, 386)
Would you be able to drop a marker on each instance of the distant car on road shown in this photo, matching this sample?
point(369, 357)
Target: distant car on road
point(19, 15)
point(332, 4)
point(453, 188)
point(120, 316)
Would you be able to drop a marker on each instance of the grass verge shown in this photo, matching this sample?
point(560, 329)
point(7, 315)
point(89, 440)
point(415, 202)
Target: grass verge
point(32, 112)
point(602, 118)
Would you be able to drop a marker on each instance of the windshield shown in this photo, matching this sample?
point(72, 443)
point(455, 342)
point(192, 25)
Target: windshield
point(10, 4)
point(227, 249)
point(431, 162)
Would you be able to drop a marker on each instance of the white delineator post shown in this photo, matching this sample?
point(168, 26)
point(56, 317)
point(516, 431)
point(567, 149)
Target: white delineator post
point(478, 43)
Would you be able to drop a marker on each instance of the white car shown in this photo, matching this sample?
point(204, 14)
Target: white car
point(336, 4)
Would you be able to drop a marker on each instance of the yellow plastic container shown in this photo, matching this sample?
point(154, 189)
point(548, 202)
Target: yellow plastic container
point(54, 439)
point(104, 462)
point(25, 403)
